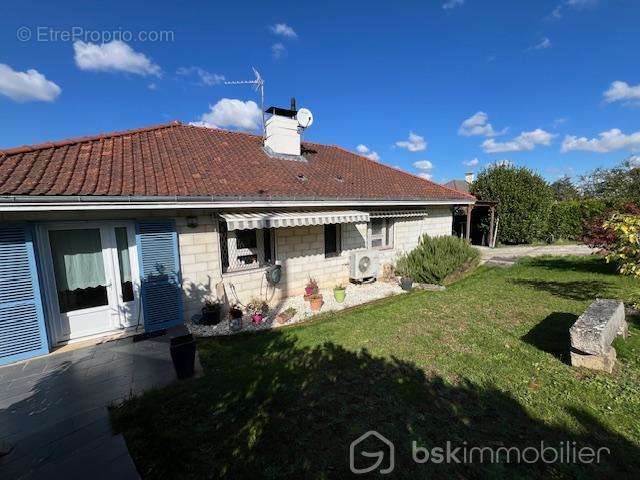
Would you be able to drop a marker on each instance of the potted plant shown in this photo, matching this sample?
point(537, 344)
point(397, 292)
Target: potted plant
point(402, 270)
point(235, 317)
point(183, 355)
point(311, 289)
point(339, 292)
point(211, 312)
point(284, 317)
point(258, 309)
point(316, 302)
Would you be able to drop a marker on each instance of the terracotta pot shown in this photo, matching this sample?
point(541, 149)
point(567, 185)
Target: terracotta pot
point(316, 303)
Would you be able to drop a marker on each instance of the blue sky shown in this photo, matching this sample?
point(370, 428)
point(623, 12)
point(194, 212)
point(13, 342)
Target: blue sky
point(538, 81)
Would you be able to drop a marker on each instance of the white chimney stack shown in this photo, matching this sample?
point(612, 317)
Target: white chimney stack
point(468, 177)
point(282, 129)
point(281, 135)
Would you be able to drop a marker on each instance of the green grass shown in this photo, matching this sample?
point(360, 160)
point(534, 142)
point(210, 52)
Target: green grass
point(483, 362)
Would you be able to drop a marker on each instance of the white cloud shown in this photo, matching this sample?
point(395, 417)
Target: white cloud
point(415, 143)
point(115, 56)
point(205, 78)
point(524, 141)
point(543, 44)
point(232, 113)
point(284, 30)
point(471, 163)
point(634, 161)
point(559, 121)
point(608, 141)
point(278, 50)
point(478, 124)
point(558, 12)
point(27, 86)
point(152, 86)
point(423, 165)
point(622, 92)
point(367, 152)
point(426, 176)
point(450, 4)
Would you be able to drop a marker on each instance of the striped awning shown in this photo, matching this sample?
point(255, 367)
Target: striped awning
point(398, 213)
point(246, 221)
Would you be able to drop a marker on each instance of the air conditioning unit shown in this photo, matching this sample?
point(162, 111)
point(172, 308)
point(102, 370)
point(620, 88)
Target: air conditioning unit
point(364, 265)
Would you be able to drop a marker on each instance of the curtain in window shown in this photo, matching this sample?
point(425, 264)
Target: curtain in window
point(124, 263)
point(77, 259)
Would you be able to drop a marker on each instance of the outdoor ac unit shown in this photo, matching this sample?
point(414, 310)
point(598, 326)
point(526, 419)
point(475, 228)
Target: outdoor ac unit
point(364, 265)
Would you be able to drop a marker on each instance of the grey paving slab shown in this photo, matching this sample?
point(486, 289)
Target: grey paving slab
point(54, 409)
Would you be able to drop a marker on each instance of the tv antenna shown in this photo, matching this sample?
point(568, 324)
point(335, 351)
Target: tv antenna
point(258, 85)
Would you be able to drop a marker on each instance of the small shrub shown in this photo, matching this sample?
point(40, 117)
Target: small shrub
point(436, 259)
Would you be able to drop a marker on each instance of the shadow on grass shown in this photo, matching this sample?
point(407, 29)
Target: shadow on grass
point(268, 407)
point(591, 264)
point(551, 335)
point(578, 290)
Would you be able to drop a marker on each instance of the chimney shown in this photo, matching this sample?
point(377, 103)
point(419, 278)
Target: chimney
point(282, 136)
point(468, 177)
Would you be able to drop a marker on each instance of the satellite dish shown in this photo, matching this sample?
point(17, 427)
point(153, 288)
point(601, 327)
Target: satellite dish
point(304, 117)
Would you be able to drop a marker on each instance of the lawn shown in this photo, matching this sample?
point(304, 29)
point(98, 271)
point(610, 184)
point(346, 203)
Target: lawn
point(484, 362)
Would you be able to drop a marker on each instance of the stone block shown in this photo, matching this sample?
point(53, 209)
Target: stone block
point(596, 328)
point(603, 362)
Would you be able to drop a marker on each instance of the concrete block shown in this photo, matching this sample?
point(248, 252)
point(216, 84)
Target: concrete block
point(603, 362)
point(596, 328)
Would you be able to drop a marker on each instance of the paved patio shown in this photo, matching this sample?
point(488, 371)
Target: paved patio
point(53, 409)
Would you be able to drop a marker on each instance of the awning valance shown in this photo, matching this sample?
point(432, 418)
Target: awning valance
point(398, 213)
point(246, 221)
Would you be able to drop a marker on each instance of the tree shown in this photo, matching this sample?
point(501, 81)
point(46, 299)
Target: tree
point(618, 183)
point(524, 201)
point(626, 249)
point(564, 189)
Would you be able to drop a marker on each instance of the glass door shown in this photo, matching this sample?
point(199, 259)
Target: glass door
point(93, 278)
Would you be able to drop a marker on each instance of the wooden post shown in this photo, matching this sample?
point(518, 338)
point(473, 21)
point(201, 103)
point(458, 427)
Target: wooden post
point(492, 211)
point(468, 230)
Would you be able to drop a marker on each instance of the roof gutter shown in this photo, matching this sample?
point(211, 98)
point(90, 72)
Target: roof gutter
point(88, 202)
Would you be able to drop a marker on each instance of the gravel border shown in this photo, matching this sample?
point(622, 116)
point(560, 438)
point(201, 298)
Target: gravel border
point(356, 295)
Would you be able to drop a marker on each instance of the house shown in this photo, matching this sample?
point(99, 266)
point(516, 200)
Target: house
point(134, 229)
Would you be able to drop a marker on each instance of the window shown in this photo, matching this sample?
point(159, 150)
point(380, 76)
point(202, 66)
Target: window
point(381, 233)
point(245, 249)
point(332, 245)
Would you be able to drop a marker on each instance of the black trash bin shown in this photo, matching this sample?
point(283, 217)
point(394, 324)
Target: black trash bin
point(183, 355)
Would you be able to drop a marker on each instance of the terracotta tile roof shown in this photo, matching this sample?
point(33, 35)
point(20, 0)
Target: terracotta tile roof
point(458, 185)
point(183, 160)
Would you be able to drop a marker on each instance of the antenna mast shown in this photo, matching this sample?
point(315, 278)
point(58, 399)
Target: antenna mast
point(258, 84)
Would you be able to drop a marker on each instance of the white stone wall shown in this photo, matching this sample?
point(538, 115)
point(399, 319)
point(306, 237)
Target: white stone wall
point(299, 249)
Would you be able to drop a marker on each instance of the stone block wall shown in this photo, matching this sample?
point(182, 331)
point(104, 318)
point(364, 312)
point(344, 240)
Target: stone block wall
point(299, 249)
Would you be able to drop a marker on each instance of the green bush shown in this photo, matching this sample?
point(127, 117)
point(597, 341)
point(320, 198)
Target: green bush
point(437, 260)
point(565, 221)
point(524, 202)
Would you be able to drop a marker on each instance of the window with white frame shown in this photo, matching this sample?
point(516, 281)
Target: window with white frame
point(246, 249)
point(380, 233)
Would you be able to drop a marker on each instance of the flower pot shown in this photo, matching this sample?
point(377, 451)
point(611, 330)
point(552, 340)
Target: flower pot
point(316, 302)
point(256, 318)
point(210, 317)
point(183, 355)
point(406, 283)
point(339, 294)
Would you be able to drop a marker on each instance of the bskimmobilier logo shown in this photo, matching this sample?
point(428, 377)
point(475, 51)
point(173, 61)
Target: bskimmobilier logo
point(387, 450)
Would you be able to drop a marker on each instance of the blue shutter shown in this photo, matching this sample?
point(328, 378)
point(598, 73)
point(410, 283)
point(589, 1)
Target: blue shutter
point(157, 243)
point(22, 330)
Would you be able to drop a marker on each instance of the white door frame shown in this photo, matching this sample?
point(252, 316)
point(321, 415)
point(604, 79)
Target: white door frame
point(122, 315)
